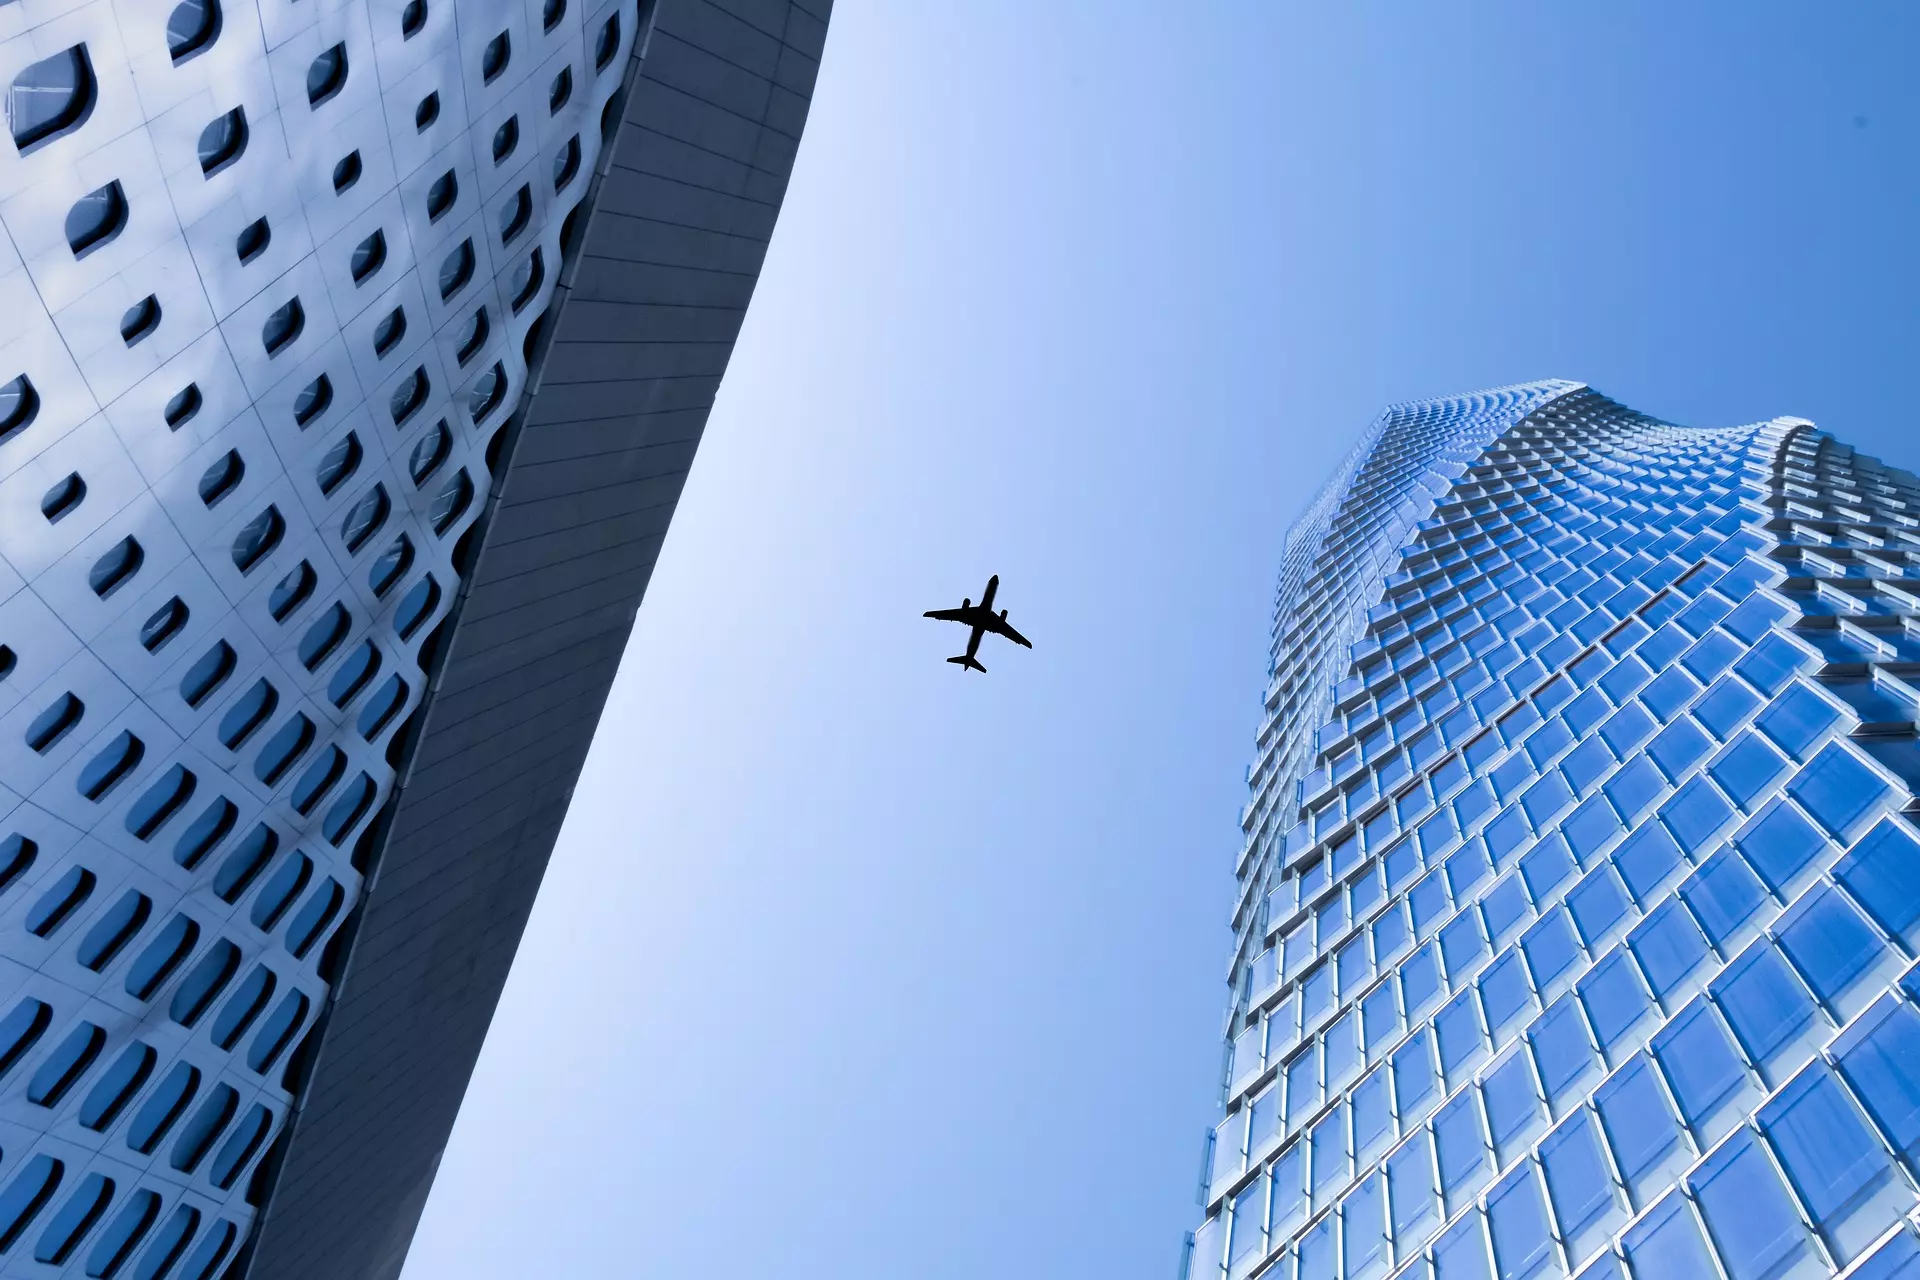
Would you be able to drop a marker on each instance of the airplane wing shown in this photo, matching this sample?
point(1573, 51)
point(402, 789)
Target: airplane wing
point(1000, 626)
point(949, 615)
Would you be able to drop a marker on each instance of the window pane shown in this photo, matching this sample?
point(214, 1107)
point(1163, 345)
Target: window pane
point(1513, 1105)
point(1462, 1252)
point(1880, 1057)
point(1844, 1176)
point(1666, 1244)
point(1696, 814)
point(1781, 844)
point(1363, 1231)
point(1551, 947)
point(1372, 1116)
point(1751, 1216)
point(1561, 1049)
point(1724, 894)
point(1584, 1198)
point(1699, 1062)
point(1504, 993)
point(1289, 1208)
point(1522, 1243)
point(1647, 1141)
point(1410, 1188)
point(1462, 1147)
point(1831, 944)
point(1669, 947)
point(1883, 874)
point(1413, 1082)
point(1747, 769)
point(1458, 1031)
point(1765, 1004)
point(1616, 1002)
point(1837, 789)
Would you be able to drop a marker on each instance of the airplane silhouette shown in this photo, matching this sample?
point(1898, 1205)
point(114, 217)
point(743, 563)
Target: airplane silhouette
point(982, 619)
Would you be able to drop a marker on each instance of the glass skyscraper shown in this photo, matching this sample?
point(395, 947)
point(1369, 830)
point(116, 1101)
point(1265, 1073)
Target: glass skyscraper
point(352, 356)
point(1580, 894)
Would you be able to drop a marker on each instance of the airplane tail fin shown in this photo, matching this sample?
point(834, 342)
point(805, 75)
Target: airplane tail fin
point(965, 661)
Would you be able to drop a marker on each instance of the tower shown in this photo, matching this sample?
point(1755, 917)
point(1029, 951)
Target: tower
point(353, 357)
point(1580, 888)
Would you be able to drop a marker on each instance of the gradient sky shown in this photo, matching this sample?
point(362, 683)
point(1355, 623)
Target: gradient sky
point(852, 964)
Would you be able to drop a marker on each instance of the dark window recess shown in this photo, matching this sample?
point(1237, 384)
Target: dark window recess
point(494, 58)
point(327, 75)
point(551, 13)
point(240, 1146)
point(223, 141)
point(163, 625)
point(282, 327)
point(260, 536)
point(183, 406)
point(20, 1030)
point(26, 1196)
point(416, 607)
point(114, 930)
point(19, 404)
point(283, 749)
point(347, 172)
point(451, 502)
point(8, 661)
point(516, 214)
point(205, 832)
point(140, 319)
point(409, 395)
point(58, 502)
point(192, 27)
point(353, 674)
point(559, 91)
point(382, 707)
point(392, 565)
point(608, 43)
point(351, 806)
point(54, 723)
point(208, 674)
point(441, 195)
point(326, 633)
point(487, 393)
point(413, 18)
point(248, 859)
point(505, 139)
point(478, 330)
point(108, 769)
point(17, 855)
point(204, 982)
point(51, 97)
point(567, 163)
point(248, 999)
point(212, 1249)
point(96, 218)
point(339, 462)
point(426, 113)
point(318, 780)
point(221, 478)
point(365, 518)
point(368, 256)
point(162, 956)
point(387, 334)
point(116, 1244)
point(527, 280)
point(74, 1219)
point(281, 888)
point(57, 905)
point(246, 716)
point(117, 1085)
point(313, 400)
point(112, 570)
point(291, 591)
point(429, 452)
point(160, 802)
point(311, 921)
point(252, 240)
point(277, 1032)
point(66, 1064)
point(162, 1107)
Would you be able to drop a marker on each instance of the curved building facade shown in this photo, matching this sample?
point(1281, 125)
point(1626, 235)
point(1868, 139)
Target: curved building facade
point(352, 358)
point(1580, 897)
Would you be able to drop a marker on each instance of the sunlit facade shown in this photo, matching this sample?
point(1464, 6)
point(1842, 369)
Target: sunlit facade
point(1580, 887)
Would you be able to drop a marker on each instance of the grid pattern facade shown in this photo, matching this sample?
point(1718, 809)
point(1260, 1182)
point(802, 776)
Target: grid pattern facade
point(1580, 897)
point(273, 275)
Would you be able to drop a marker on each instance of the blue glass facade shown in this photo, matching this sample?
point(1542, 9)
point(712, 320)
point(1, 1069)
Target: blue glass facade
point(1580, 895)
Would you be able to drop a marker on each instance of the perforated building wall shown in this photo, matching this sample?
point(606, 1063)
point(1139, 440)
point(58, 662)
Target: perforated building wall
point(1581, 890)
point(282, 522)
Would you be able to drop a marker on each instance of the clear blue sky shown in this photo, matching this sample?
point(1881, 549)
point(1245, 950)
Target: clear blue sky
point(850, 964)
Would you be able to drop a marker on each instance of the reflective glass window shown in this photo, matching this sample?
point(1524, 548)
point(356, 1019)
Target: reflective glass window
point(1413, 1082)
point(1328, 1154)
point(1513, 1105)
point(1648, 1143)
point(1363, 1231)
point(1751, 1216)
point(1517, 1215)
point(1634, 788)
point(1696, 814)
point(1725, 708)
point(1390, 933)
point(1551, 947)
point(1589, 828)
point(1462, 1146)
point(1724, 893)
point(1379, 1016)
point(1457, 1030)
point(1764, 1003)
point(1504, 908)
point(1585, 1200)
point(1288, 1176)
point(1416, 1210)
point(1669, 693)
point(1646, 859)
point(1303, 1087)
point(1598, 903)
point(1880, 1058)
point(1667, 1245)
point(1883, 875)
point(1583, 767)
point(1842, 1172)
point(1680, 746)
point(1616, 1002)
point(1838, 789)
point(1372, 1116)
point(1830, 944)
point(1780, 844)
point(1797, 720)
point(1461, 1254)
point(1561, 1049)
point(1504, 993)
point(1429, 903)
point(1548, 866)
point(1419, 981)
point(1249, 1225)
point(1748, 768)
point(1773, 661)
point(1462, 946)
point(1669, 947)
point(1700, 1063)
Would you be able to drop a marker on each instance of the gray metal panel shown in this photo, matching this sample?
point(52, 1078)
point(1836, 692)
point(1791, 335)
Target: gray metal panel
point(676, 237)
